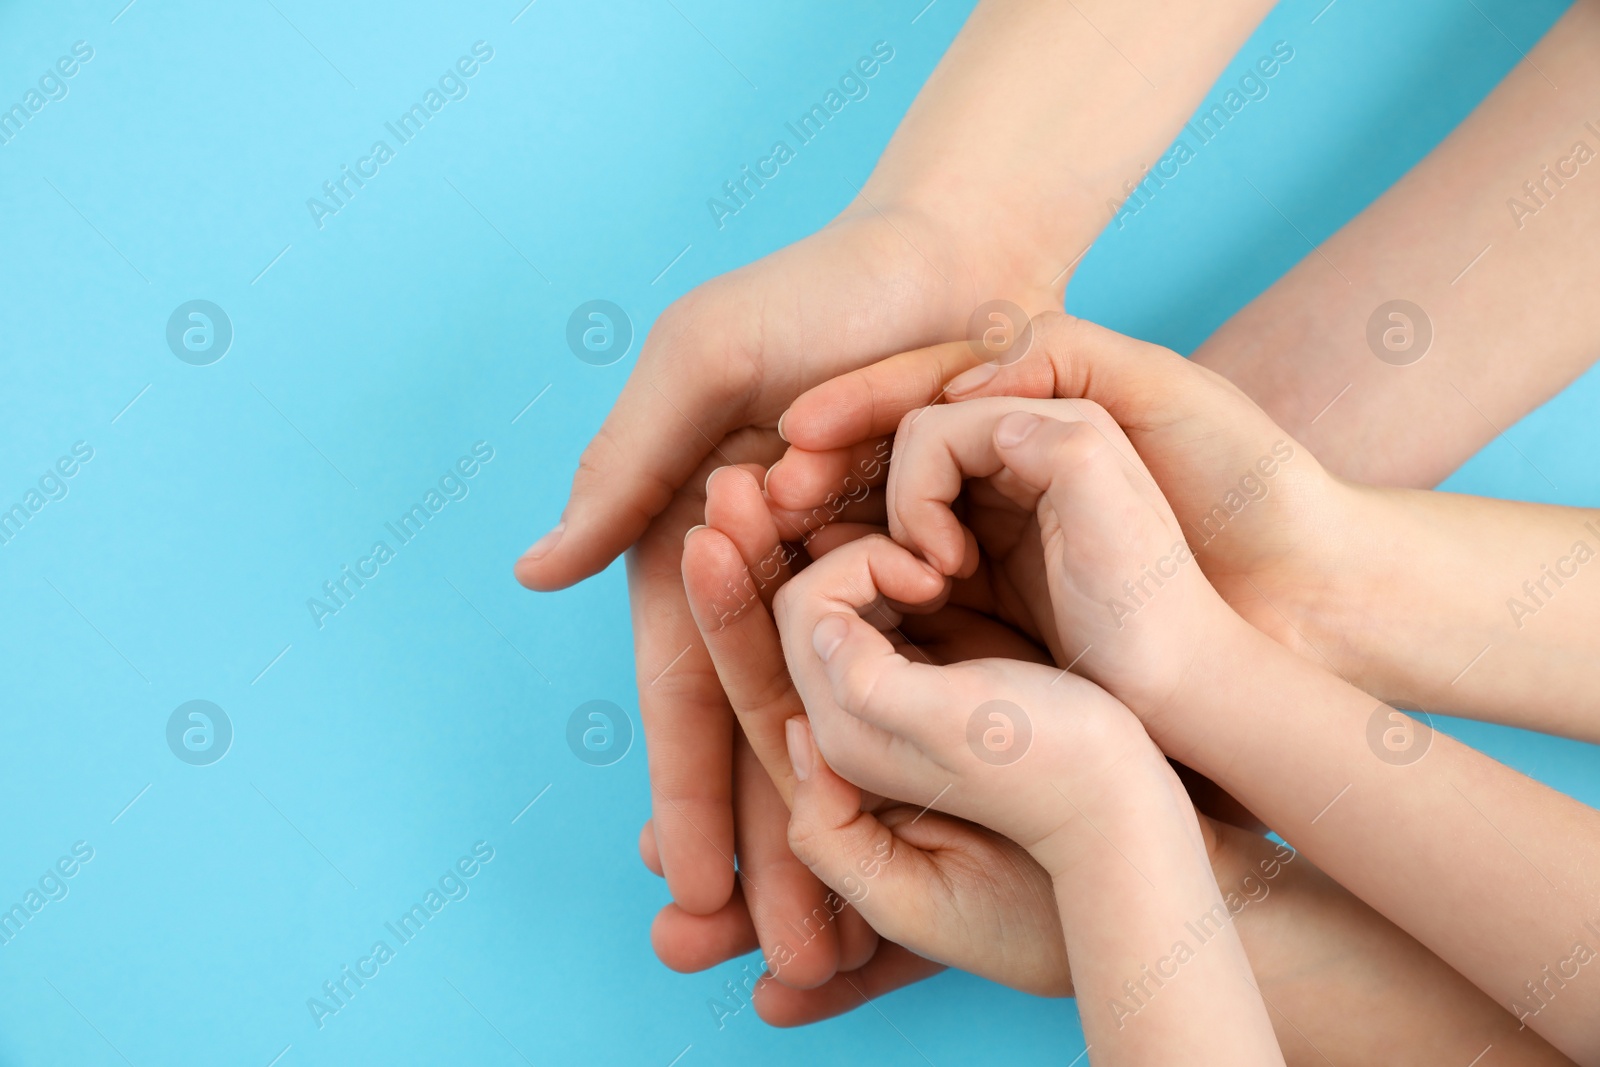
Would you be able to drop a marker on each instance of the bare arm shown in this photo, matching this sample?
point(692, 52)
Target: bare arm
point(1487, 609)
point(1507, 334)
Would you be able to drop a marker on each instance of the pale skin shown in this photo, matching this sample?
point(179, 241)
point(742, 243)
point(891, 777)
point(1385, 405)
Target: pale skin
point(928, 239)
point(1210, 690)
point(1089, 791)
point(895, 272)
point(971, 898)
point(1508, 334)
point(1454, 604)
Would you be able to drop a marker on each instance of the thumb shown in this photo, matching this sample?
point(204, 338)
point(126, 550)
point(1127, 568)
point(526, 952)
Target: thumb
point(1087, 472)
point(682, 398)
point(1071, 357)
point(828, 831)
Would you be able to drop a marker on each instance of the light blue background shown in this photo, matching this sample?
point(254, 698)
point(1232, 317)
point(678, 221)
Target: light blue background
point(422, 718)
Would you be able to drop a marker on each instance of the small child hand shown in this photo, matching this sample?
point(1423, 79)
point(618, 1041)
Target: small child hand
point(1126, 604)
point(1001, 742)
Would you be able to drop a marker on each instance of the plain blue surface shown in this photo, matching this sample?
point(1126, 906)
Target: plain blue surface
point(372, 753)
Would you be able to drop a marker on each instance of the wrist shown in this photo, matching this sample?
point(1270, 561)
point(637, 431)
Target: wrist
point(1019, 228)
point(1020, 242)
point(1321, 594)
point(1349, 583)
point(1136, 806)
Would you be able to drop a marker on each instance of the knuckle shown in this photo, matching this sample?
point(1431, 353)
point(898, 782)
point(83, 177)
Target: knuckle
point(804, 840)
point(857, 686)
point(1080, 444)
point(1054, 328)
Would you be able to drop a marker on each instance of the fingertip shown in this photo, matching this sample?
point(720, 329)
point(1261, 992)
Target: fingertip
point(802, 749)
point(1014, 428)
point(809, 964)
point(713, 572)
point(971, 555)
point(688, 943)
point(530, 568)
point(696, 839)
point(829, 633)
point(568, 554)
point(970, 381)
point(858, 941)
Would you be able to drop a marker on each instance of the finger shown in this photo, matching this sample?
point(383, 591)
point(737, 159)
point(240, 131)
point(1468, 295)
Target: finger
point(850, 580)
point(857, 939)
point(1081, 469)
point(891, 967)
point(793, 912)
point(684, 395)
point(853, 579)
point(803, 479)
point(742, 642)
point(1072, 357)
point(876, 685)
point(855, 854)
point(688, 730)
point(840, 534)
point(688, 943)
point(736, 507)
point(649, 850)
point(937, 450)
point(870, 402)
point(802, 526)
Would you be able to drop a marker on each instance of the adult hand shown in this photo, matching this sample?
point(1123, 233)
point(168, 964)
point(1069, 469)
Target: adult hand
point(942, 867)
point(714, 375)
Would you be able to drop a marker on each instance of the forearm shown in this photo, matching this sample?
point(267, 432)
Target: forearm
point(1157, 965)
point(1508, 333)
point(1041, 111)
point(1400, 825)
point(1486, 609)
point(1324, 958)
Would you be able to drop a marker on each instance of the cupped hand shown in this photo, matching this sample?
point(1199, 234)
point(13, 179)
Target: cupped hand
point(945, 868)
point(1113, 579)
point(1258, 510)
point(717, 370)
point(990, 740)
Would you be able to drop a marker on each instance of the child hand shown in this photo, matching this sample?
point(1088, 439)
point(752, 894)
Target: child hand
point(1125, 604)
point(1000, 742)
point(941, 866)
point(1065, 770)
point(1256, 506)
point(956, 892)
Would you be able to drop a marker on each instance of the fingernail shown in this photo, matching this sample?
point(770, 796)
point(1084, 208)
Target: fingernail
point(690, 531)
point(781, 436)
point(1015, 428)
point(798, 735)
point(828, 636)
point(541, 548)
point(967, 381)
